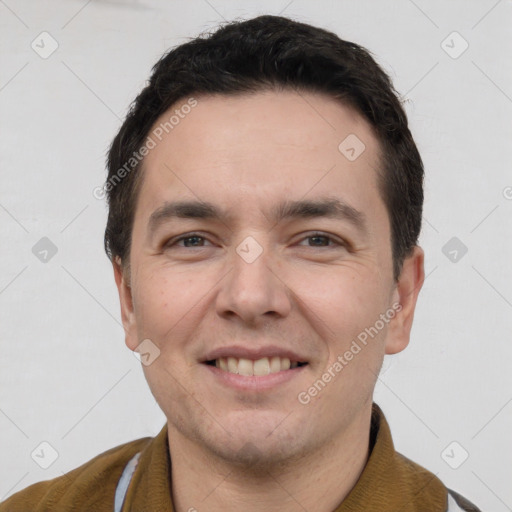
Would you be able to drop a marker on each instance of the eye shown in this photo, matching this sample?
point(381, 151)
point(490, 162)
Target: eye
point(322, 240)
point(189, 240)
point(197, 240)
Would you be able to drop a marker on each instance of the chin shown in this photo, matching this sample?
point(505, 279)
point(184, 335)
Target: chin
point(257, 454)
point(254, 438)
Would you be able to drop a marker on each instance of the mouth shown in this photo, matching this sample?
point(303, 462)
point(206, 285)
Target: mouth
point(254, 368)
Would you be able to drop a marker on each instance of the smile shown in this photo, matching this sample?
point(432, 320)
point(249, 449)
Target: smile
point(257, 368)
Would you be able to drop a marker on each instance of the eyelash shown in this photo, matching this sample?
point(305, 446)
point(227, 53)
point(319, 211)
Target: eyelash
point(337, 242)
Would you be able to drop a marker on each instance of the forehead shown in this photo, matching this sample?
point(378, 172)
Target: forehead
point(247, 152)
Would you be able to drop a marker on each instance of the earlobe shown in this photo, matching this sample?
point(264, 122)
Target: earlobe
point(406, 294)
point(126, 302)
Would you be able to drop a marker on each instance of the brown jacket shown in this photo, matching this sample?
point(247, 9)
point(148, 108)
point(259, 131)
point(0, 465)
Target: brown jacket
point(389, 483)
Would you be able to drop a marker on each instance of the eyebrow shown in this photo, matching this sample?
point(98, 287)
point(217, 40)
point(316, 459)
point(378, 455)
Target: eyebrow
point(304, 209)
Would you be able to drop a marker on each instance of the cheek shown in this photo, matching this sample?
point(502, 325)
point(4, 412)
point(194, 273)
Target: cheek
point(343, 296)
point(164, 301)
point(343, 305)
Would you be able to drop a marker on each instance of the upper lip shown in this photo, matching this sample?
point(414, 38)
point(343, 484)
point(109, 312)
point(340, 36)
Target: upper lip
point(253, 353)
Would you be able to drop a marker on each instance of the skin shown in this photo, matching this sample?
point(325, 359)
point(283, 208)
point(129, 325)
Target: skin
point(247, 153)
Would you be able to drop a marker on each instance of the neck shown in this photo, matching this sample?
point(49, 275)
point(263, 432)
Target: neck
point(320, 481)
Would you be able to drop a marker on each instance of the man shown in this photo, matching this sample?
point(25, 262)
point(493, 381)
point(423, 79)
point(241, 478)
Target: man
point(265, 200)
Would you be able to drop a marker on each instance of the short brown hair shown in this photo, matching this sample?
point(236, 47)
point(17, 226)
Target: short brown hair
point(269, 52)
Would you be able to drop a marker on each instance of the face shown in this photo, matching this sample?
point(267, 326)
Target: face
point(257, 289)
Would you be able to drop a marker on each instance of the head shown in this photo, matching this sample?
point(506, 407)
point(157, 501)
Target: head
point(255, 141)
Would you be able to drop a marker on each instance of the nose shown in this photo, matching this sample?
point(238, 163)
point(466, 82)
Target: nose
point(253, 290)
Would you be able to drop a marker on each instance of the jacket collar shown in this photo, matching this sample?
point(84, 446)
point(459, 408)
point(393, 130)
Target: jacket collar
point(389, 482)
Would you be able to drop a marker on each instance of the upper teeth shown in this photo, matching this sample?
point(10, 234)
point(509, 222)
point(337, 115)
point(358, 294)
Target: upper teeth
point(260, 367)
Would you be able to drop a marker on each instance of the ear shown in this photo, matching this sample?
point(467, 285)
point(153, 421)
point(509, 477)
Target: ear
point(125, 298)
point(406, 294)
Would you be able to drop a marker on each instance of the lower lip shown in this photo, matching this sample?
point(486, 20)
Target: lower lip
point(253, 383)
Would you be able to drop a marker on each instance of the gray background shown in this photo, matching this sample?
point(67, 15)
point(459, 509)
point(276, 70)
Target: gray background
point(66, 376)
